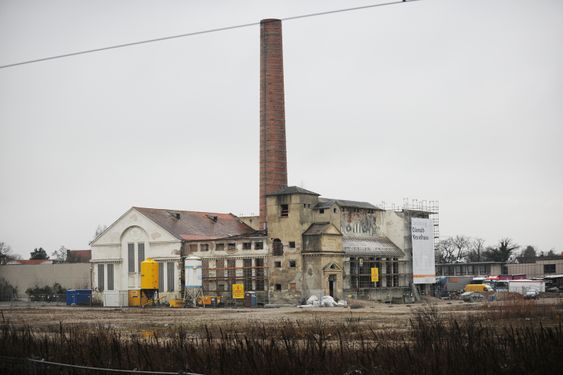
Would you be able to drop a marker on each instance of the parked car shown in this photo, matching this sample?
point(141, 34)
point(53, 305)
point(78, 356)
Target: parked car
point(472, 296)
point(532, 294)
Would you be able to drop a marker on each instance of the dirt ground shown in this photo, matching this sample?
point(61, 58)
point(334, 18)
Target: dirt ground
point(43, 315)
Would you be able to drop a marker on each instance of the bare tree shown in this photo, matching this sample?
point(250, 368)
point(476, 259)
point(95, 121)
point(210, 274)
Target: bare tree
point(60, 255)
point(477, 247)
point(461, 244)
point(446, 251)
point(6, 254)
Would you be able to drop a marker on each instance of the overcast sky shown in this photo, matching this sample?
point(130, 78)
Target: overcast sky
point(455, 101)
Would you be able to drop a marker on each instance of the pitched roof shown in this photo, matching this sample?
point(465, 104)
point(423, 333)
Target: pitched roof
point(374, 246)
point(328, 202)
point(293, 190)
point(321, 228)
point(196, 226)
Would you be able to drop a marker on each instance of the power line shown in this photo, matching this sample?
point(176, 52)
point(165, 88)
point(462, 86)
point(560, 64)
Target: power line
point(197, 33)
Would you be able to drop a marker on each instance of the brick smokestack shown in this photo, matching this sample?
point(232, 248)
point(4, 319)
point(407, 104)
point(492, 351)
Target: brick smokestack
point(273, 160)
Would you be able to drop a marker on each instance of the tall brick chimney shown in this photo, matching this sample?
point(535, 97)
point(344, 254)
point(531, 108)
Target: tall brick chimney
point(273, 160)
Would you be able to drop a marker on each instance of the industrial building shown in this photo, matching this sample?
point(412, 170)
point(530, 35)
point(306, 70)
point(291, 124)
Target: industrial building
point(300, 245)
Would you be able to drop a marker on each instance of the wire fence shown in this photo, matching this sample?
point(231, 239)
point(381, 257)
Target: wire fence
point(15, 365)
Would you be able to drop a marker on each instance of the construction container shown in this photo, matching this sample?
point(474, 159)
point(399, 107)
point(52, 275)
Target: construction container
point(82, 297)
point(149, 274)
point(115, 298)
point(137, 298)
point(176, 302)
point(213, 301)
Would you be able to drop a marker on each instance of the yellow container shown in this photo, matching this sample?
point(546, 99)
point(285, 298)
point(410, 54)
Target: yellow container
point(176, 303)
point(136, 298)
point(149, 274)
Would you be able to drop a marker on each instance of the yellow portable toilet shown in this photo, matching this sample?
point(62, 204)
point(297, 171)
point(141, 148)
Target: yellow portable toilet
point(149, 274)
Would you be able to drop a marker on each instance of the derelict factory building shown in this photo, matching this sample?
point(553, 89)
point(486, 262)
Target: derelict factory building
point(300, 245)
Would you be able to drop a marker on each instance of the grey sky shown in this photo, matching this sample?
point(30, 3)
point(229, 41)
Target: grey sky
point(456, 101)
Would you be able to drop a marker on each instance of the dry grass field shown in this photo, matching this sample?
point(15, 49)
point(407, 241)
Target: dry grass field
point(435, 337)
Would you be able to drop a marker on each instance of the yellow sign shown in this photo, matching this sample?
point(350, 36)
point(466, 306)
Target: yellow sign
point(374, 274)
point(238, 291)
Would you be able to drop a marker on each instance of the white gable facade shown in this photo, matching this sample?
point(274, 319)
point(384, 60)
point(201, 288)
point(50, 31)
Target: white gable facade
point(118, 252)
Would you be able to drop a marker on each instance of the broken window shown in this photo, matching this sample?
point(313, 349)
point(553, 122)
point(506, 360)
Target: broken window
point(549, 268)
point(220, 247)
point(258, 245)
point(292, 244)
point(277, 264)
point(277, 247)
point(247, 245)
point(284, 210)
point(322, 211)
point(193, 247)
point(204, 247)
point(278, 287)
point(291, 264)
point(247, 273)
point(231, 246)
point(259, 264)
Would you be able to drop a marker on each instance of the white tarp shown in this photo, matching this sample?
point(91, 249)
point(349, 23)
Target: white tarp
point(423, 264)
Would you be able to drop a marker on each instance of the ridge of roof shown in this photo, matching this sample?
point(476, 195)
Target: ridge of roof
point(293, 190)
point(327, 202)
point(196, 225)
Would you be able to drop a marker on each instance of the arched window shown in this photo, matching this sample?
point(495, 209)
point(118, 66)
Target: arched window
point(277, 247)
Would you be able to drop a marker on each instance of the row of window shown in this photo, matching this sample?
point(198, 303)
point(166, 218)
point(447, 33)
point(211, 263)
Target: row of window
point(194, 247)
point(108, 269)
point(284, 209)
point(291, 264)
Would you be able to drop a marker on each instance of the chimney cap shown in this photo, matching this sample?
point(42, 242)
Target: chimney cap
point(268, 20)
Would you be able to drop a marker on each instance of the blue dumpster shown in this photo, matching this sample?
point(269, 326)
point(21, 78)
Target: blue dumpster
point(71, 297)
point(78, 297)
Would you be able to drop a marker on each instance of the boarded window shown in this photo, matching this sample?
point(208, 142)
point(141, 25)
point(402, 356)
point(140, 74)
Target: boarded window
point(101, 277)
point(259, 264)
point(140, 254)
point(278, 247)
point(284, 210)
point(204, 247)
point(131, 257)
point(258, 245)
point(220, 247)
point(192, 248)
point(170, 276)
point(247, 245)
point(110, 276)
point(161, 277)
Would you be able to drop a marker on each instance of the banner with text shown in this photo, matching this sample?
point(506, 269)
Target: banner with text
point(423, 263)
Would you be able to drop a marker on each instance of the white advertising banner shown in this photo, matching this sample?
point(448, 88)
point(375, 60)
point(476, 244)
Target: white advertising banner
point(423, 264)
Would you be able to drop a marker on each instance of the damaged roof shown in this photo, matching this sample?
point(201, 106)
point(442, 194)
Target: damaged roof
point(328, 202)
point(197, 226)
point(293, 190)
point(379, 246)
point(321, 228)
